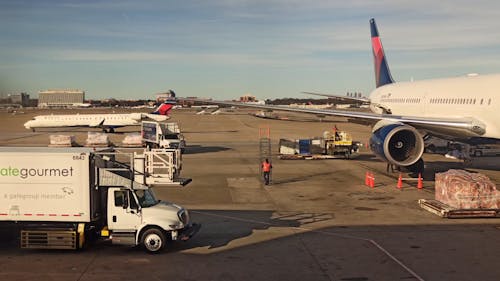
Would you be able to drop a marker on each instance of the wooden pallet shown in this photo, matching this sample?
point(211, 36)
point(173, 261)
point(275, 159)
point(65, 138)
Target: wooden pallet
point(446, 211)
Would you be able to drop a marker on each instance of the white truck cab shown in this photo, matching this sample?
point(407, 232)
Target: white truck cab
point(175, 141)
point(136, 217)
point(162, 135)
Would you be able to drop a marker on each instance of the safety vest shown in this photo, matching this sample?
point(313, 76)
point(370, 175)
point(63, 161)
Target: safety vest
point(266, 167)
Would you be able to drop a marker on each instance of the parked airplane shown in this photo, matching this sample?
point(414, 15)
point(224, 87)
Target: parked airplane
point(462, 109)
point(108, 122)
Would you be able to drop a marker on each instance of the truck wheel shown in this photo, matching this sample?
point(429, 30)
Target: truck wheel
point(153, 240)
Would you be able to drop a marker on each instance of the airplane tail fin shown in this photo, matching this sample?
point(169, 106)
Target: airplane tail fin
point(163, 109)
point(382, 73)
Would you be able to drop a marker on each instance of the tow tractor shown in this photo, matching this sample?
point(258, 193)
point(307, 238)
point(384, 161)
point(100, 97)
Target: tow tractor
point(333, 144)
point(340, 143)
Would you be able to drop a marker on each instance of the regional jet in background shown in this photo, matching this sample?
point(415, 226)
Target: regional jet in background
point(463, 109)
point(108, 122)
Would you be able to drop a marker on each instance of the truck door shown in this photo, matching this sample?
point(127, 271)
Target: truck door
point(123, 212)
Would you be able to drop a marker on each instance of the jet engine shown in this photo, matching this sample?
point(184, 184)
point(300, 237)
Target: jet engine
point(397, 143)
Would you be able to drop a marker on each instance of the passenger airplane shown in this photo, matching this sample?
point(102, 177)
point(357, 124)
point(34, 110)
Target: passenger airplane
point(464, 109)
point(108, 122)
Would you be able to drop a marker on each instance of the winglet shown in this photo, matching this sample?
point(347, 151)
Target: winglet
point(382, 73)
point(98, 123)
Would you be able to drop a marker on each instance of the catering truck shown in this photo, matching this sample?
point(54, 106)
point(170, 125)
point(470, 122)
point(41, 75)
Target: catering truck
point(63, 198)
point(162, 135)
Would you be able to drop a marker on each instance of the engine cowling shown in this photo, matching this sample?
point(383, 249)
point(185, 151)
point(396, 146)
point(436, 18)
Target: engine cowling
point(398, 144)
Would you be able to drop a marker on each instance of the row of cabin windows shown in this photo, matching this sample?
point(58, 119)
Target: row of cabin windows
point(402, 100)
point(83, 118)
point(459, 101)
point(439, 101)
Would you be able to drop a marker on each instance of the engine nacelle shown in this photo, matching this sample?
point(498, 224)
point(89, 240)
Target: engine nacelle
point(398, 144)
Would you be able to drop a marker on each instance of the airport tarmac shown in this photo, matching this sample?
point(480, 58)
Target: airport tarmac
point(317, 221)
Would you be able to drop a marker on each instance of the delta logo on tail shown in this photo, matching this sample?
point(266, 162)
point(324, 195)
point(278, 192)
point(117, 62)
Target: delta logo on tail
point(164, 109)
point(382, 73)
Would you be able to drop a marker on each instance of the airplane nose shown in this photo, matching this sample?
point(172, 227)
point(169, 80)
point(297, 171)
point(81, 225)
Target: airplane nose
point(27, 125)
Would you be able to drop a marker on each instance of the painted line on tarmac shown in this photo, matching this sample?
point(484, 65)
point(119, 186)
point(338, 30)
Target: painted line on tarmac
point(371, 241)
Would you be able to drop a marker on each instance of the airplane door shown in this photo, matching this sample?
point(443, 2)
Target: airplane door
point(123, 214)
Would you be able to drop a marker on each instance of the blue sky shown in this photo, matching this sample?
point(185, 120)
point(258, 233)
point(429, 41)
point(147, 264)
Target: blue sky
point(226, 48)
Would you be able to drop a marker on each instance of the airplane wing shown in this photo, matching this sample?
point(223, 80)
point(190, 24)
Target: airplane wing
point(340, 97)
point(452, 126)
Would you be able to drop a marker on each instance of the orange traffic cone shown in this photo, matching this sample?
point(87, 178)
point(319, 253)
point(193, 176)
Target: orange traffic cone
point(400, 181)
point(419, 183)
point(367, 174)
point(372, 180)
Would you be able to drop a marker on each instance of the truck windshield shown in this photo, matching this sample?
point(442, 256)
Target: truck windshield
point(171, 137)
point(146, 197)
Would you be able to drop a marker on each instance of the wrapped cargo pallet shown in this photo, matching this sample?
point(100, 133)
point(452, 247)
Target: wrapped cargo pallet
point(97, 139)
point(132, 140)
point(463, 190)
point(61, 140)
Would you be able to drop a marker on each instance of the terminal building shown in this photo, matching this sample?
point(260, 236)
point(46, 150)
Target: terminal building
point(21, 98)
point(248, 98)
point(251, 99)
point(60, 98)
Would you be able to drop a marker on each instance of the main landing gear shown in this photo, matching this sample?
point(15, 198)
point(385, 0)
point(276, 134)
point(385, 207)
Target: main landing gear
point(417, 168)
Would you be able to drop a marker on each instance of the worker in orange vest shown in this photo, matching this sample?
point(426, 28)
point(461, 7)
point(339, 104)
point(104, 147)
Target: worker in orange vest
point(266, 169)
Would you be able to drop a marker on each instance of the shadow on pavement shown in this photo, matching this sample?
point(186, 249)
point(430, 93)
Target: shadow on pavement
point(194, 149)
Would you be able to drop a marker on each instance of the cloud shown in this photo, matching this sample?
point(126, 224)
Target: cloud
point(308, 39)
point(195, 58)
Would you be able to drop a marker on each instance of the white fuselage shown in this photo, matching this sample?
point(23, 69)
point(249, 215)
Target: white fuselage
point(474, 96)
point(90, 120)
